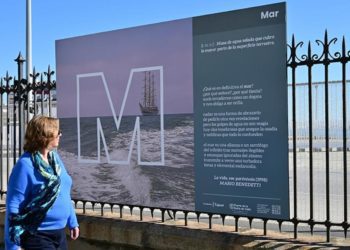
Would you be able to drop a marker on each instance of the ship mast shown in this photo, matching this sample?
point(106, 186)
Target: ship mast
point(149, 106)
point(152, 93)
point(145, 91)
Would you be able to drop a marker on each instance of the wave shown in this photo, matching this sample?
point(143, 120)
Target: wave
point(168, 186)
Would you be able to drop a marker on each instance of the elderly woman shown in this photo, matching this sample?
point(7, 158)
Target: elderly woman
point(38, 202)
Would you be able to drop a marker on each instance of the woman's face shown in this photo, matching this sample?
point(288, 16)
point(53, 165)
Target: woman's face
point(55, 141)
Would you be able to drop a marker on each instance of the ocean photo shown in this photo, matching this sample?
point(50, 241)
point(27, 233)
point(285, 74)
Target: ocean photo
point(168, 186)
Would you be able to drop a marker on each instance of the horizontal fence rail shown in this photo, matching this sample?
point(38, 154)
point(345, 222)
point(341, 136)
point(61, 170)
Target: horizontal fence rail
point(319, 127)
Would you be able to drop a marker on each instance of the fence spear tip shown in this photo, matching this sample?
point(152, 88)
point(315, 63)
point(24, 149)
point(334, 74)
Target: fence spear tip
point(20, 58)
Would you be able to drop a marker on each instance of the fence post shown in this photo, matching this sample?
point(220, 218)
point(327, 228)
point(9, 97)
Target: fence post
point(8, 90)
point(20, 60)
point(292, 63)
point(49, 85)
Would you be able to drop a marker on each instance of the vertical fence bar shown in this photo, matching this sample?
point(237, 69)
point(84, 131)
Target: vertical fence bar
point(50, 113)
point(15, 89)
point(20, 62)
point(326, 103)
point(28, 104)
point(34, 88)
point(30, 108)
point(49, 87)
point(41, 87)
point(293, 66)
point(7, 80)
point(309, 66)
point(345, 160)
point(20, 110)
point(294, 154)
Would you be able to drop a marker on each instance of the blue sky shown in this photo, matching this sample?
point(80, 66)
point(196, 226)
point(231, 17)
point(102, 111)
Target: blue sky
point(52, 20)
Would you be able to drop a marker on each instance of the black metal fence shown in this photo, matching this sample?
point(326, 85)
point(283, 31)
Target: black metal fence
point(319, 126)
point(20, 100)
point(310, 60)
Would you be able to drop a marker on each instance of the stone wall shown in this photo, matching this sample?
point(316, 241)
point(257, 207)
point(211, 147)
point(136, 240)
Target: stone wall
point(110, 232)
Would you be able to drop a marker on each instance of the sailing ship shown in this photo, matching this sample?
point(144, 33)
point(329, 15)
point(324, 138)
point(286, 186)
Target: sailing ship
point(148, 105)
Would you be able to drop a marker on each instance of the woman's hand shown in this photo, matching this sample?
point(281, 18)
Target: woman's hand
point(74, 233)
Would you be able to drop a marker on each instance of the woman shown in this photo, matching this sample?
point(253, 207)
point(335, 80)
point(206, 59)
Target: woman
point(38, 202)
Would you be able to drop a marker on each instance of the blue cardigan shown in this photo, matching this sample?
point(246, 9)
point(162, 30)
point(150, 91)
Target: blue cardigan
point(23, 183)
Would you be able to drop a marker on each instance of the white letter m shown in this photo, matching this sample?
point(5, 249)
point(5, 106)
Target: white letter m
point(117, 121)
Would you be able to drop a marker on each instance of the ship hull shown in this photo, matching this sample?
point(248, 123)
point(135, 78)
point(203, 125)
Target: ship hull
point(149, 110)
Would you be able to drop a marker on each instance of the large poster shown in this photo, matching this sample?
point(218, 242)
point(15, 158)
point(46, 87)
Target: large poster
point(131, 103)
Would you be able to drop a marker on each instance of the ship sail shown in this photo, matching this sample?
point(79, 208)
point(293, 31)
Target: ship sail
point(148, 105)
